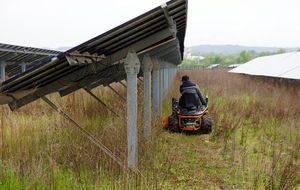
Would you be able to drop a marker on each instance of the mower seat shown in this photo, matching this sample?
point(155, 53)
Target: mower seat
point(191, 111)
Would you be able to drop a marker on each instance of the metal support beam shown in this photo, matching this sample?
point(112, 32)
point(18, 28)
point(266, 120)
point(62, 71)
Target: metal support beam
point(147, 68)
point(124, 85)
point(155, 79)
point(76, 58)
point(23, 67)
point(132, 67)
point(169, 19)
point(86, 133)
point(3, 74)
point(100, 101)
point(24, 50)
point(122, 97)
point(141, 80)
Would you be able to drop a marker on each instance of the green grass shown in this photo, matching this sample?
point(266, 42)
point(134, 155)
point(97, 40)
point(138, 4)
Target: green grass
point(63, 179)
point(254, 144)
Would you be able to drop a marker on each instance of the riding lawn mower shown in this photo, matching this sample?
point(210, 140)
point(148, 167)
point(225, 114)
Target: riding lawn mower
point(190, 119)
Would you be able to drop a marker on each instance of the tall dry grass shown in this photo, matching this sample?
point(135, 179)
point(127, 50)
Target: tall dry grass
point(254, 144)
point(40, 147)
point(256, 128)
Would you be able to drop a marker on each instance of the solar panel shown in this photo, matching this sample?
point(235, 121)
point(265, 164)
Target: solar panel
point(14, 56)
point(286, 65)
point(99, 61)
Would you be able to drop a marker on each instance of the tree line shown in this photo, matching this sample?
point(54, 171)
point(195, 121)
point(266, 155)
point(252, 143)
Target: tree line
point(224, 60)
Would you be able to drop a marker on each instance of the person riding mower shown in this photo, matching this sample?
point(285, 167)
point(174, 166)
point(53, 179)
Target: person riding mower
point(190, 113)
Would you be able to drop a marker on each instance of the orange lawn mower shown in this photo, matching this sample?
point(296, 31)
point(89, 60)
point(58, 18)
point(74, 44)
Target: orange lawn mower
point(188, 120)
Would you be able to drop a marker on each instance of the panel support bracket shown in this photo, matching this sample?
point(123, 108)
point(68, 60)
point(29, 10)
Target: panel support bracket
point(122, 97)
point(86, 133)
point(77, 58)
point(124, 85)
point(101, 102)
point(170, 21)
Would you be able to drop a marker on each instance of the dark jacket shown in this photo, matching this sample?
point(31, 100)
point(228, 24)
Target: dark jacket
point(191, 96)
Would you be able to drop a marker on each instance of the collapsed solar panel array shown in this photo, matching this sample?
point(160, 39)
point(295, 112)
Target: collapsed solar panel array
point(286, 65)
point(99, 61)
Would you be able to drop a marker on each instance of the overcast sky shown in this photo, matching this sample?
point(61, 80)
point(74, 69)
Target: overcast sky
point(57, 23)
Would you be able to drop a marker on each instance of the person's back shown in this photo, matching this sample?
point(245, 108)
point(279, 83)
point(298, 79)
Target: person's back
point(191, 96)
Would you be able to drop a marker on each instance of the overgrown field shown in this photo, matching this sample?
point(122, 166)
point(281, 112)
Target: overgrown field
point(254, 145)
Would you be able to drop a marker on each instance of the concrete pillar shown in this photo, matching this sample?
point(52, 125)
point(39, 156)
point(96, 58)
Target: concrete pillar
point(155, 79)
point(165, 80)
point(175, 72)
point(132, 67)
point(3, 74)
point(161, 87)
point(147, 68)
point(170, 76)
point(23, 67)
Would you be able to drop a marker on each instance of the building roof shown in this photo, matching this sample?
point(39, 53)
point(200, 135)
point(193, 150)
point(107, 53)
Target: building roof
point(234, 65)
point(213, 66)
point(286, 65)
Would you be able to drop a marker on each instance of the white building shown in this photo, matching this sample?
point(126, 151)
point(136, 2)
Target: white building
point(193, 57)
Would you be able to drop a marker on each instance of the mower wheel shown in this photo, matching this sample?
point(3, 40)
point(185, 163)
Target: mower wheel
point(206, 124)
point(173, 123)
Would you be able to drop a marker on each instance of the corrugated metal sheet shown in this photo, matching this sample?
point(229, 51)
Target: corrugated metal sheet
point(286, 65)
point(153, 33)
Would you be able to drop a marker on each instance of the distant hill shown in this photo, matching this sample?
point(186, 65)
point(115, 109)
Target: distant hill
point(231, 49)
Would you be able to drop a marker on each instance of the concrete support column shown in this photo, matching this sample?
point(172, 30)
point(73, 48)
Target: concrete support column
point(155, 79)
point(2, 73)
point(170, 76)
point(161, 87)
point(173, 73)
point(165, 80)
point(147, 68)
point(132, 67)
point(23, 67)
point(167, 77)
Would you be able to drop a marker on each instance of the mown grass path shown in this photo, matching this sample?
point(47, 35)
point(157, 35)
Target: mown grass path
point(192, 161)
point(255, 138)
